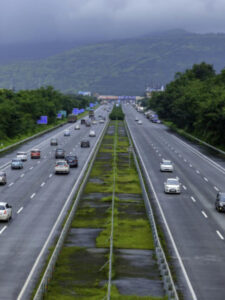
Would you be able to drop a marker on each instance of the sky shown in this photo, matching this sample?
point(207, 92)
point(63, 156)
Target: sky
point(71, 20)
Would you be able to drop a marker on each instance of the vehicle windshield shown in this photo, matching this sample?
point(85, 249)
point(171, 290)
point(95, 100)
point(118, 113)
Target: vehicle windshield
point(2, 174)
point(71, 157)
point(2, 207)
point(60, 163)
point(16, 160)
point(21, 153)
point(35, 151)
point(59, 150)
point(222, 198)
point(167, 163)
point(172, 181)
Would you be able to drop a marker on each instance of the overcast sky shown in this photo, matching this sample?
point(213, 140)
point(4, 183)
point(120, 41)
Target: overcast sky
point(48, 20)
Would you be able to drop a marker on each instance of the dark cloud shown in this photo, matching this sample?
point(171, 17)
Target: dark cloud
point(47, 20)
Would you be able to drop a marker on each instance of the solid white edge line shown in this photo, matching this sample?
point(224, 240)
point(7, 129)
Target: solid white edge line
point(167, 226)
point(204, 214)
point(220, 235)
point(3, 229)
point(193, 199)
point(56, 222)
point(21, 208)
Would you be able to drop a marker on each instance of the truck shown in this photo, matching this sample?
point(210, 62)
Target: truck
point(72, 118)
point(91, 113)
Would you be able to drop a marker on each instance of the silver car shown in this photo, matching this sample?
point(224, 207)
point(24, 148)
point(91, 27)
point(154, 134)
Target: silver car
point(92, 133)
point(5, 211)
point(3, 179)
point(166, 166)
point(172, 185)
point(61, 166)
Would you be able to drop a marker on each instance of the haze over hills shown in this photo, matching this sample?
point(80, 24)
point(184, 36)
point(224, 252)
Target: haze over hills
point(122, 67)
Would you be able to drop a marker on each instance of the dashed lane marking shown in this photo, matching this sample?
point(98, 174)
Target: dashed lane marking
point(220, 235)
point(43, 183)
point(206, 179)
point(216, 188)
point(193, 199)
point(32, 196)
point(19, 211)
point(3, 229)
point(22, 175)
point(204, 214)
point(11, 184)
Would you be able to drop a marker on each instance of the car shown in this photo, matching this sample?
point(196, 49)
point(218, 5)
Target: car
point(16, 164)
point(59, 153)
point(166, 166)
point(92, 133)
point(5, 211)
point(94, 122)
point(139, 122)
point(82, 122)
point(3, 179)
point(77, 127)
point(101, 121)
point(85, 144)
point(66, 133)
point(35, 153)
point(72, 160)
point(22, 155)
point(61, 166)
point(136, 119)
point(220, 202)
point(54, 142)
point(172, 185)
point(88, 123)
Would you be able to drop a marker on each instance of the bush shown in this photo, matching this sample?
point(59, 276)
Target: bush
point(117, 113)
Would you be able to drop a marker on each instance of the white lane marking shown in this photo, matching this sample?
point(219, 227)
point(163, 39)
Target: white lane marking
point(37, 261)
point(31, 168)
point(193, 150)
point(3, 229)
point(190, 165)
point(160, 154)
point(193, 199)
point(44, 156)
point(220, 235)
point(22, 175)
point(32, 196)
point(184, 187)
point(185, 160)
point(206, 179)
point(194, 297)
point(157, 151)
point(38, 162)
point(43, 183)
point(204, 214)
point(216, 188)
point(11, 184)
point(197, 171)
point(50, 175)
point(21, 208)
point(180, 155)
point(70, 152)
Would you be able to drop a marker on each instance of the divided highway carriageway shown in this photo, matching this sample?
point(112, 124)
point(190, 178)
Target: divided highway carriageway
point(40, 200)
point(195, 230)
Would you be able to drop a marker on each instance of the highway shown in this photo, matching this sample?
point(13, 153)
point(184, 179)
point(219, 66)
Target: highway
point(196, 229)
point(37, 196)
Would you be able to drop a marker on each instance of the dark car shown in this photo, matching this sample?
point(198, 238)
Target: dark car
point(220, 201)
point(85, 144)
point(82, 122)
point(59, 153)
point(53, 142)
point(72, 160)
point(88, 123)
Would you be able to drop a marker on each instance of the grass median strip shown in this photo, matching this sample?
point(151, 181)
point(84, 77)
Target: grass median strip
point(82, 268)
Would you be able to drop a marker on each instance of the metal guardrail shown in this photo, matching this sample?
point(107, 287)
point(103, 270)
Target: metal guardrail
point(51, 264)
point(164, 269)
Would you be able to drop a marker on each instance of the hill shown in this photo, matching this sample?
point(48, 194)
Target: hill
point(119, 67)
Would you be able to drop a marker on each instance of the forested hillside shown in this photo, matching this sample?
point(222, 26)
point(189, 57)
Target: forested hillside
point(21, 110)
point(122, 67)
point(195, 102)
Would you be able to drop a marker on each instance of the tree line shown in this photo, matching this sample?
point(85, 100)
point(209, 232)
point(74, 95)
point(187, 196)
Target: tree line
point(20, 110)
point(195, 102)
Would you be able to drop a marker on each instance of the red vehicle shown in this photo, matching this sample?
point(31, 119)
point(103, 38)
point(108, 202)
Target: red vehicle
point(35, 153)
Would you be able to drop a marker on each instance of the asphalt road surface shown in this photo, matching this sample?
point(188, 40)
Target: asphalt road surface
point(37, 196)
point(197, 229)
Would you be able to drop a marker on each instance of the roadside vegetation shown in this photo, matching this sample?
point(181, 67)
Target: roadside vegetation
point(195, 103)
point(116, 113)
point(20, 111)
point(82, 268)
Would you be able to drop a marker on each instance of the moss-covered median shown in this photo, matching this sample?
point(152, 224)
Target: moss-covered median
point(82, 268)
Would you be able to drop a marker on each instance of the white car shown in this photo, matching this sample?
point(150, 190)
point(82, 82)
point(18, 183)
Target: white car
point(61, 166)
point(139, 122)
point(22, 156)
point(77, 127)
point(66, 133)
point(94, 122)
point(5, 211)
point(166, 166)
point(172, 185)
point(101, 121)
point(92, 133)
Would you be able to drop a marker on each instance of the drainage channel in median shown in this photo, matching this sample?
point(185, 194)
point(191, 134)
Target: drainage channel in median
point(81, 271)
